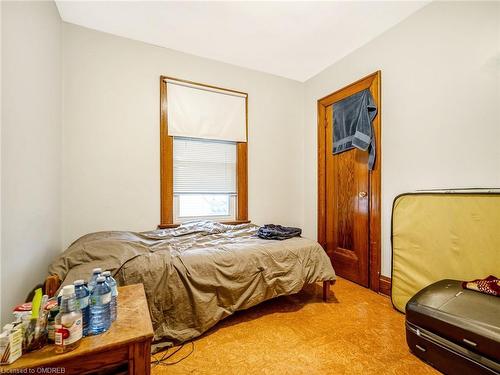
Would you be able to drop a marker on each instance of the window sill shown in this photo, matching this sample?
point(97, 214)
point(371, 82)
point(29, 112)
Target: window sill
point(234, 222)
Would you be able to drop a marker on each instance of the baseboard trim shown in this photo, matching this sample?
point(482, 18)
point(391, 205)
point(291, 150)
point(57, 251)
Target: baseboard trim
point(385, 284)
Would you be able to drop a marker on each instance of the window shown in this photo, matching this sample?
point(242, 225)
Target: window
point(204, 179)
point(203, 165)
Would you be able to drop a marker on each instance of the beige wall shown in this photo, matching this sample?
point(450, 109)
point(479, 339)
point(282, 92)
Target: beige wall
point(111, 150)
point(30, 146)
point(440, 104)
point(1, 120)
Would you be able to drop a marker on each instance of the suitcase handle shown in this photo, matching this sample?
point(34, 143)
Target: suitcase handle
point(468, 342)
point(422, 349)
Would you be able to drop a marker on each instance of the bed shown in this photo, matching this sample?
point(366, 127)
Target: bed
point(198, 273)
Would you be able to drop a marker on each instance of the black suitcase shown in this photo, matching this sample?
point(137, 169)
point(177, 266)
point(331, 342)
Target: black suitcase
point(455, 330)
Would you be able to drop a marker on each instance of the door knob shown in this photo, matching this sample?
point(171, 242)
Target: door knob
point(362, 194)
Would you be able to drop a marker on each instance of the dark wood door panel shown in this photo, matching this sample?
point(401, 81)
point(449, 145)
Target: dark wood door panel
point(344, 184)
point(346, 264)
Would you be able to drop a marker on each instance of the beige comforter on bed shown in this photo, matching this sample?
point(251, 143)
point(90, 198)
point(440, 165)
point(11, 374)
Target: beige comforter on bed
point(199, 273)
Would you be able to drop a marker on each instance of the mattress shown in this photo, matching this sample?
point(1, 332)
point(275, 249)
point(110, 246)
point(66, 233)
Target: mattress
point(199, 273)
point(443, 235)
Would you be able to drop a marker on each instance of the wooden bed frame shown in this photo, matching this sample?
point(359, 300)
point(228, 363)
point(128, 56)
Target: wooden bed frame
point(52, 284)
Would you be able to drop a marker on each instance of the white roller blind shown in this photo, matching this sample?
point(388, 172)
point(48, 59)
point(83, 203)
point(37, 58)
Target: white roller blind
point(202, 166)
point(197, 112)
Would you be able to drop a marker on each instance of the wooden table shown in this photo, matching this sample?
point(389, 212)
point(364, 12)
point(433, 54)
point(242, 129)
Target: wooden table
point(126, 344)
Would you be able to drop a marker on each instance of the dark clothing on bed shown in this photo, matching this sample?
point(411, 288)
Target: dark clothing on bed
point(278, 232)
point(352, 124)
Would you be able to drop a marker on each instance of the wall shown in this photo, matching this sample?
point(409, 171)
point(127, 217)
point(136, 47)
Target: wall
point(0, 164)
point(111, 147)
point(440, 104)
point(30, 146)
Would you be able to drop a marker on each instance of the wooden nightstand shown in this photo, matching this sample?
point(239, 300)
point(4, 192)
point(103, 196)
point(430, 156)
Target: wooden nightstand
point(127, 344)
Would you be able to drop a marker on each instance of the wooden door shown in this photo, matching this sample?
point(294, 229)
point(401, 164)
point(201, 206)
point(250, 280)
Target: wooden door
point(349, 195)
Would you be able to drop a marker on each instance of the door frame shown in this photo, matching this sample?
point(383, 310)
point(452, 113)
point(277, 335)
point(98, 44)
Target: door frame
point(372, 82)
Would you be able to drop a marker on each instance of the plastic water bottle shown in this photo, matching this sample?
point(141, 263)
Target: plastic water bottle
point(100, 312)
point(83, 299)
point(68, 323)
point(95, 273)
point(114, 294)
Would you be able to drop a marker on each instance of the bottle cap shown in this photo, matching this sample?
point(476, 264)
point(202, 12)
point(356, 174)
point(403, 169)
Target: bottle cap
point(106, 273)
point(78, 282)
point(100, 279)
point(68, 290)
point(97, 270)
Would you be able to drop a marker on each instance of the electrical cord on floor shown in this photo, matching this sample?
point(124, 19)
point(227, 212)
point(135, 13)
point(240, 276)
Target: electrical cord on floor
point(163, 360)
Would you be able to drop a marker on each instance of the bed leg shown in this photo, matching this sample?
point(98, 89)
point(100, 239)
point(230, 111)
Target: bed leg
point(326, 290)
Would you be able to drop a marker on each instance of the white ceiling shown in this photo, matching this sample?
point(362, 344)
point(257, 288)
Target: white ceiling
point(291, 39)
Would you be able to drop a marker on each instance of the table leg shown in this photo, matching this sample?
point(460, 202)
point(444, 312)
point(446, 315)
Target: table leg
point(140, 358)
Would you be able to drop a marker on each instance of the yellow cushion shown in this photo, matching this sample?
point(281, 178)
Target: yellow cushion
point(443, 236)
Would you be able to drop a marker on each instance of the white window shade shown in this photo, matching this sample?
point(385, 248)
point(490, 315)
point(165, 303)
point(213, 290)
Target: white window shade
point(198, 112)
point(202, 166)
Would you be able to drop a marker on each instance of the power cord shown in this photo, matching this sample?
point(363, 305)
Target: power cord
point(163, 360)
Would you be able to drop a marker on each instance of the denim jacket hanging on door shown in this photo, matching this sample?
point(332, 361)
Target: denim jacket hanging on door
point(352, 124)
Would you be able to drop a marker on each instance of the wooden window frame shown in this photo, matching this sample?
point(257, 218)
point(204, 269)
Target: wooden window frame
point(167, 161)
point(377, 282)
